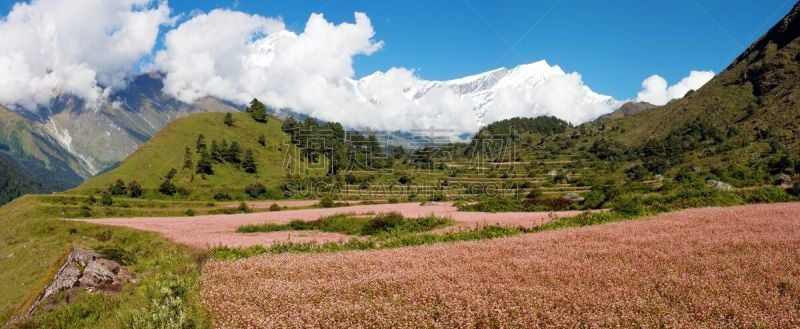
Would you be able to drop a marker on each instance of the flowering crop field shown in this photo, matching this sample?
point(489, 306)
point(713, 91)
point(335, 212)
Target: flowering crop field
point(713, 267)
point(220, 230)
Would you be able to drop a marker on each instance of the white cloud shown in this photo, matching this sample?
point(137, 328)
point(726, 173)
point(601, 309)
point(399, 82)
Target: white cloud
point(50, 47)
point(657, 91)
point(311, 72)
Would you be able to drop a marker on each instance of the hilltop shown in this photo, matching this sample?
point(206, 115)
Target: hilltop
point(167, 150)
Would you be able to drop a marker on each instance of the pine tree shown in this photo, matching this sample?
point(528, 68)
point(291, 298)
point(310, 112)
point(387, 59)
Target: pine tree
point(118, 188)
point(223, 150)
point(216, 153)
point(201, 143)
point(187, 159)
point(234, 153)
point(204, 164)
point(249, 162)
point(262, 140)
point(229, 120)
point(257, 110)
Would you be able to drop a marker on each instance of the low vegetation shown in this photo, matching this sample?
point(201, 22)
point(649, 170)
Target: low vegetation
point(389, 223)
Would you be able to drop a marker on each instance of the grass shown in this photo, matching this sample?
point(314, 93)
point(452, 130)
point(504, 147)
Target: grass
point(34, 244)
point(386, 241)
point(352, 225)
point(165, 151)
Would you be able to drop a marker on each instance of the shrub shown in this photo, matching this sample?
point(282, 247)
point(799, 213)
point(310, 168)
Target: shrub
point(629, 208)
point(382, 223)
point(255, 190)
point(135, 189)
point(167, 187)
point(274, 207)
point(767, 195)
point(534, 194)
point(190, 212)
point(106, 200)
point(594, 200)
point(326, 203)
point(222, 196)
point(393, 200)
point(795, 190)
point(117, 254)
point(118, 188)
point(243, 208)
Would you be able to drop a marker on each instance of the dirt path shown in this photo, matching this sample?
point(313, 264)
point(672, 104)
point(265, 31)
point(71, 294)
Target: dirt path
point(216, 230)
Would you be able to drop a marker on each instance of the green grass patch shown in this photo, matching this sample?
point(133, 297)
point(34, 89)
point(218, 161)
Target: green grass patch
point(393, 239)
point(353, 225)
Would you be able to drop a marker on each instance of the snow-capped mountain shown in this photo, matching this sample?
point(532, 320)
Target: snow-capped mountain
point(528, 90)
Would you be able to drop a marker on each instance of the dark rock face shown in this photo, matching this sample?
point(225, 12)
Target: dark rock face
point(85, 269)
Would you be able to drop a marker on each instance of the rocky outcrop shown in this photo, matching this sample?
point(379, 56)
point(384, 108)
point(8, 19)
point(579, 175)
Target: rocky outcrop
point(719, 185)
point(85, 269)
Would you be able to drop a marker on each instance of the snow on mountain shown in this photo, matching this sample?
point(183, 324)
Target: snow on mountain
point(528, 90)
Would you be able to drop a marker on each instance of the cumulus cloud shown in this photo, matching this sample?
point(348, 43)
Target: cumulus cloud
point(78, 47)
point(657, 91)
point(311, 72)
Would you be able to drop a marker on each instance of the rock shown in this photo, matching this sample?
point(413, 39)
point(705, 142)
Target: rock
point(783, 180)
point(86, 269)
point(572, 196)
point(553, 173)
point(719, 185)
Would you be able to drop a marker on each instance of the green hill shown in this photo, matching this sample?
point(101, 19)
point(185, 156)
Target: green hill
point(759, 95)
point(167, 150)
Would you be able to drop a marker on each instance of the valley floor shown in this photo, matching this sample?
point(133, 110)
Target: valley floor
point(710, 267)
point(220, 230)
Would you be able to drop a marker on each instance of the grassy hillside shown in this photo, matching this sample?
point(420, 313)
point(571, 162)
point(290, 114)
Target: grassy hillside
point(34, 242)
point(166, 151)
point(759, 95)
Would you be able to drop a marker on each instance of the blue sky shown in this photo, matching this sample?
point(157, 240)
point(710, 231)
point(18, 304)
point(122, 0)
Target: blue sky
point(613, 44)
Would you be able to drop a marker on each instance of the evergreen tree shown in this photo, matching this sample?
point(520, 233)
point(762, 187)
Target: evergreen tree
point(257, 110)
point(229, 120)
point(234, 153)
point(118, 188)
point(223, 150)
point(167, 187)
point(262, 140)
point(249, 162)
point(187, 159)
point(201, 143)
point(216, 153)
point(204, 164)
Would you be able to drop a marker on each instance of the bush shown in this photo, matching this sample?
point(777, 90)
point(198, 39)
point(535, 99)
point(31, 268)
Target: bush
point(393, 200)
point(326, 203)
point(117, 254)
point(255, 191)
point(795, 190)
point(167, 187)
point(629, 208)
point(274, 207)
point(382, 223)
point(135, 189)
point(190, 212)
point(594, 200)
point(118, 188)
point(243, 208)
point(222, 196)
point(534, 194)
point(767, 195)
point(106, 200)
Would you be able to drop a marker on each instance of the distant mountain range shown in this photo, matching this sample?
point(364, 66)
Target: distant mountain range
point(60, 145)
